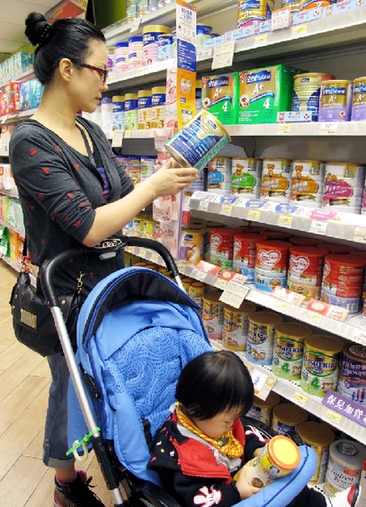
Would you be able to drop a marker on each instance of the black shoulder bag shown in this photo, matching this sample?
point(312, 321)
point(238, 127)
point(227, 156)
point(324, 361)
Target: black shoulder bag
point(33, 323)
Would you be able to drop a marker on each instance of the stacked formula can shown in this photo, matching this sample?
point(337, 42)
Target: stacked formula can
point(219, 176)
point(271, 265)
point(245, 253)
point(276, 180)
point(251, 11)
point(307, 183)
point(307, 92)
point(246, 177)
point(336, 100)
point(344, 187)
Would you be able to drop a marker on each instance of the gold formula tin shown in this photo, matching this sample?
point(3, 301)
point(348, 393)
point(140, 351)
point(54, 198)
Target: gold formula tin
point(287, 417)
point(318, 436)
point(262, 409)
point(307, 182)
point(213, 315)
point(236, 322)
point(320, 365)
point(289, 349)
point(276, 180)
point(261, 336)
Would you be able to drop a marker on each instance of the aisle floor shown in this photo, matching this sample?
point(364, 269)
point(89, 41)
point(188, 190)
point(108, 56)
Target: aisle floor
point(24, 385)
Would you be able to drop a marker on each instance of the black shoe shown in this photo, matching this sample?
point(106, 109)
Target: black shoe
point(76, 493)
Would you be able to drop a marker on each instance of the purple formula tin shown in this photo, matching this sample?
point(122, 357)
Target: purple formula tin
point(335, 100)
point(359, 99)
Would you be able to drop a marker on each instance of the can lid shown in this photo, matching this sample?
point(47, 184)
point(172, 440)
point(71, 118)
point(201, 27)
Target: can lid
point(155, 28)
point(346, 259)
point(293, 330)
point(290, 414)
point(336, 81)
point(358, 253)
point(278, 235)
point(213, 297)
point(224, 230)
point(355, 351)
point(313, 74)
point(246, 308)
point(144, 93)
point(349, 453)
point(118, 98)
point(316, 433)
point(360, 79)
point(335, 248)
point(271, 400)
point(311, 251)
point(131, 96)
point(158, 89)
point(324, 343)
point(266, 318)
point(284, 452)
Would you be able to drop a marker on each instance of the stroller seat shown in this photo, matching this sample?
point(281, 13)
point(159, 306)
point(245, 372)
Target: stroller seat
point(136, 331)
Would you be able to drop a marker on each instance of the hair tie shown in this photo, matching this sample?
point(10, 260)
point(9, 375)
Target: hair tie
point(45, 34)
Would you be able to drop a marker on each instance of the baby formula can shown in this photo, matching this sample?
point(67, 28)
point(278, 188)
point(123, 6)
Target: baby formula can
point(287, 417)
point(342, 282)
point(246, 177)
point(271, 265)
point(219, 175)
point(277, 458)
point(196, 292)
point(150, 34)
point(106, 114)
point(142, 7)
point(359, 99)
point(125, 162)
point(307, 92)
point(165, 46)
point(262, 409)
point(144, 109)
point(236, 322)
point(131, 10)
point(318, 436)
point(345, 463)
point(118, 112)
point(158, 94)
point(289, 349)
point(305, 269)
point(121, 51)
point(203, 33)
point(147, 166)
point(251, 11)
point(131, 111)
point(320, 365)
point(199, 141)
point(276, 180)
point(261, 336)
point(307, 183)
point(135, 169)
point(335, 100)
point(213, 315)
point(194, 241)
point(245, 253)
point(343, 187)
point(138, 229)
point(352, 375)
point(221, 247)
point(135, 52)
point(294, 5)
point(335, 248)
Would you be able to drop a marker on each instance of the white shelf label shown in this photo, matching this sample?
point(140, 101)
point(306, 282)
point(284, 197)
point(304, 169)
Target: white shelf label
point(198, 275)
point(328, 128)
point(203, 205)
point(318, 227)
point(262, 382)
point(360, 336)
point(360, 234)
point(234, 294)
point(117, 137)
point(281, 18)
point(136, 24)
point(223, 55)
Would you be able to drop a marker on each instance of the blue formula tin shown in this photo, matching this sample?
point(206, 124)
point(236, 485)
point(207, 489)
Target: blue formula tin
point(165, 46)
point(199, 141)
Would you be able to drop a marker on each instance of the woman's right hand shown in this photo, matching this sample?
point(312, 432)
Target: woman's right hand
point(171, 180)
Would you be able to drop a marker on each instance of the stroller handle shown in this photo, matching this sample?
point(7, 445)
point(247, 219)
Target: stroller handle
point(103, 249)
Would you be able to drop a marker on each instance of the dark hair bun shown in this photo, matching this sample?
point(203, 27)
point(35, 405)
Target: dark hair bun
point(37, 28)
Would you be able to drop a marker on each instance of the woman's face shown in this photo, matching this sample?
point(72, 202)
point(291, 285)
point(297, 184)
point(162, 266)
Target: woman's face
point(90, 83)
point(219, 424)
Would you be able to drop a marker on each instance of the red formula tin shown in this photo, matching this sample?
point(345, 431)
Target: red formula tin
point(335, 248)
point(306, 261)
point(304, 241)
point(221, 247)
point(272, 256)
point(245, 252)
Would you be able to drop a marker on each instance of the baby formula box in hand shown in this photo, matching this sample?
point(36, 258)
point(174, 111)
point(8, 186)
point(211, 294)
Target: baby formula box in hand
point(278, 458)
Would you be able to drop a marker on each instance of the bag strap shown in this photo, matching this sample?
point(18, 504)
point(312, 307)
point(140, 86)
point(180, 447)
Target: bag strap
point(87, 145)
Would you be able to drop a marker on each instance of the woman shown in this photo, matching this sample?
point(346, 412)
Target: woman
point(73, 191)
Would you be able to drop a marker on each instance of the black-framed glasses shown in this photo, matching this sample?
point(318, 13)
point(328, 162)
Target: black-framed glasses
point(102, 72)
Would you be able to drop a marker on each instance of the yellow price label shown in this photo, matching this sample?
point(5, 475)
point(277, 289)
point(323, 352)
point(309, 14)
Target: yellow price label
point(261, 39)
point(143, 252)
point(226, 209)
point(284, 306)
point(301, 397)
point(284, 128)
point(285, 220)
point(317, 317)
point(299, 30)
point(181, 267)
point(254, 214)
point(155, 257)
point(220, 284)
point(334, 416)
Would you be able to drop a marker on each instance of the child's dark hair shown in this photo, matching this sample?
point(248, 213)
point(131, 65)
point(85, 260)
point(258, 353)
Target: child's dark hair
point(214, 382)
point(65, 38)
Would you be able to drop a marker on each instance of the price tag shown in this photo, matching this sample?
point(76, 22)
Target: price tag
point(198, 275)
point(181, 267)
point(155, 257)
point(226, 210)
point(253, 214)
point(128, 134)
point(143, 252)
point(262, 383)
point(316, 317)
point(283, 306)
point(360, 337)
point(284, 128)
point(136, 24)
point(220, 284)
point(298, 31)
point(281, 18)
point(300, 397)
point(203, 205)
point(360, 235)
point(234, 295)
point(333, 416)
point(206, 53)
point(328, 128)
point(117, 137)
point(285, 221)
point(223, 55)
point(132, 249)
point(318, 227)
point(260, 40)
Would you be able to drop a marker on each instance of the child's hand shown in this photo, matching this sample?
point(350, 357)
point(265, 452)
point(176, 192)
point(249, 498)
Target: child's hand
point(246, 490)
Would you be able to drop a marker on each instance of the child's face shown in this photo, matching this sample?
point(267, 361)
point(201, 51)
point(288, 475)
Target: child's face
point(219, 424)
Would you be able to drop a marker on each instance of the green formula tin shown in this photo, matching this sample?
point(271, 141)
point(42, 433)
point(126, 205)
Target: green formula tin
point(289, 349)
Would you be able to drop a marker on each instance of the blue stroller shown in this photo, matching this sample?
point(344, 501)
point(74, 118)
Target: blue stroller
point(135, 333)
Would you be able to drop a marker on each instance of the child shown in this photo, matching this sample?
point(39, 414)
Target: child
point(204, 443)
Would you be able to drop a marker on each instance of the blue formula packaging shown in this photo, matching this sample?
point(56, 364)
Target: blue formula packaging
point(199, 141)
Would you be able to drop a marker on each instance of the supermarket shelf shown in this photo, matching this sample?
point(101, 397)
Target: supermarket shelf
point(165, 16)
point(12, 227)
point(344, 129)
point(16, 117)
point(351, 329)
point(150, 74)
point(10, 193)
point(345, 226)
point(23, 76)
point(11, 263)
point(292, 391)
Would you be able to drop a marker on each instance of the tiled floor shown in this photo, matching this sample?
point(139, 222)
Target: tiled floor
point(24, 384)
